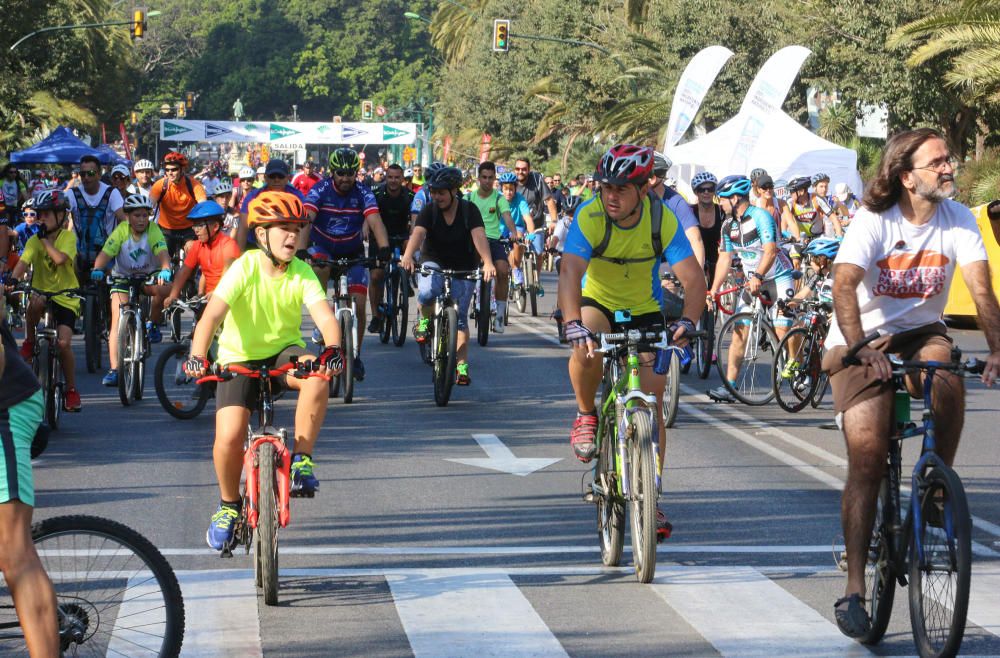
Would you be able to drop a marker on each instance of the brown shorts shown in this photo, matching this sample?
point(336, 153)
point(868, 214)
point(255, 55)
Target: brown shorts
point(853, 384)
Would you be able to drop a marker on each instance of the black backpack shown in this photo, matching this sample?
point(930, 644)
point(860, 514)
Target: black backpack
point(656, 217)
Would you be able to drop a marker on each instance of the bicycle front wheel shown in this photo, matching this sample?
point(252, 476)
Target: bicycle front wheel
point(44, 366)
point(531, 284)
point(642, 476)
point(703, 346)
point(347, 349)
point(91, 333)
point(446, 346)
point(796, 370)
point(401, 309)
point(880, 568)
point(266, 544)
point(749, 343)
point(610, 507)
point(672, 390)
point(483, 314)
point(940, 572)
point(126, 357)
point(115, 593)
point(388, 294)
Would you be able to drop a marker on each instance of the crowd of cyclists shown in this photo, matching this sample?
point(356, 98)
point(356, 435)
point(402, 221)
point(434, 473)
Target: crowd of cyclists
point(260, 245)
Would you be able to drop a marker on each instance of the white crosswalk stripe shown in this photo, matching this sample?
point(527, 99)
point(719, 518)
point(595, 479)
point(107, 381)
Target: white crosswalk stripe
point(220, 613)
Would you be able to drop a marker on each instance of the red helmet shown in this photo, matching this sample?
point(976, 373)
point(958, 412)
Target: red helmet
point(625, 163)
point(176, 158)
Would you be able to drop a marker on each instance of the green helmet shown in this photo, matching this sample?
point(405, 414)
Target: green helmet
point(344, 158)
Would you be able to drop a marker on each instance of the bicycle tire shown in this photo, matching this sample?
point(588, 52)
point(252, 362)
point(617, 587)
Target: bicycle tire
point(705, 344)
point(142, 347)
point(126, 346)
point(824, 384)
point(44, 361)
point(794, 391)
point(520, 299)
point(65, 545)
point(939, 583)
point(346, 378)
point(401, 311)
point(91, 338)
point(446, 345)
point(177, 394)
point(531, 283)
point(483, 314)
point(672, 390)
point(880, 568)
point(176, 327)
point(266, 544)
point(642, 470)
point(754, 385)
point(388, 299)
point(610, 507)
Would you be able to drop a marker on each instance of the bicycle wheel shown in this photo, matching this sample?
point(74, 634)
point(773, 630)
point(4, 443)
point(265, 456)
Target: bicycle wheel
point(142, 349)
point(610, 507)
point(401, 309)
point(346, 379)
point(939, 578)
point(824, 383)
point(672, 390)
point(115, 593)
point(753, 385)
point(388, 298)
point(446, 346)
point(178, 394)
point(43, 364)
point(483, 314)
point(880, 568)
point(642, 474)
point(91, 334)
point(126, 358)
point(531, 284)
point(703, 346)
point(795, 375)
point(518, 297)
point(266, 541)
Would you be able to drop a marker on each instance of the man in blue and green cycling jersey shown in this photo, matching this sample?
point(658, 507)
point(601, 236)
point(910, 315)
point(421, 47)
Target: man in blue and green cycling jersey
point(596, 284)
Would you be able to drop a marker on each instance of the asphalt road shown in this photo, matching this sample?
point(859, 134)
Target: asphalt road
point(413, 547)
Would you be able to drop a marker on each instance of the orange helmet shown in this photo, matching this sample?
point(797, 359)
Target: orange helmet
point(176, 158)
point(275, 208)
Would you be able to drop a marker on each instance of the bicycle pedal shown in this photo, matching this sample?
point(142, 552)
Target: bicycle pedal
point(303, 494)
point(589, 497)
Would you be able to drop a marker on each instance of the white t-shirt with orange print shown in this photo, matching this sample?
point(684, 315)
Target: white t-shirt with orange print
point(908, 268)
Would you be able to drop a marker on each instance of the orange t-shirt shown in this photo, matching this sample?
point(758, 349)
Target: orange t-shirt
point(212, 257)
point(176, 202)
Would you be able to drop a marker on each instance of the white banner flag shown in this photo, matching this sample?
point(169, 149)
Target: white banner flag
point(691, 90)
point(287, 133)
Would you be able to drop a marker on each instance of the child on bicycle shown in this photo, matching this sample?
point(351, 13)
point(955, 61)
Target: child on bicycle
point(136, 248)
point(521, 214)
point(260, 297)
point(213, 253)
point(51, 253)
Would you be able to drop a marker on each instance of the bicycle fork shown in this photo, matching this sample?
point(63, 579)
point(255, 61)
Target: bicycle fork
point(282, 472)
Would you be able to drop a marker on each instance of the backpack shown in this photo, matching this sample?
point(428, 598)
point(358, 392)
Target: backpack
point(656, 217)
point(92, 232)
point(462, 205)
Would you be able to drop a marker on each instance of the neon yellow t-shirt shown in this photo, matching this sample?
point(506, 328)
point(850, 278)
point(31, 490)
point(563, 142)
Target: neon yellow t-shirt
point(46, 276)
point(265, 313)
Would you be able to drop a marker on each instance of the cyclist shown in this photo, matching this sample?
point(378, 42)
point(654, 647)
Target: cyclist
point(750, 232)
point(892, 275)
point(246, 176)
point(174, 196)
point(827, 206)
point(135, 248)
point(449, 234)
point(21, 411)
point(121, 179)
point(224, 196)
point(624, 275)
point(144, 172)
point(808, 221)
point(51, 253)
point(260, 298)
point(495, 211)
point(394, 202)
point(710, 217)
point(340, 208)
point(532, 187)
point(96, 209)
point(756, 175)
point(557, 241)
point(677, 204)
point(276, 180)
point(524, 223)
point(29, 226)
point(305, 179)
point(421, 196)
point(213, 252)
point(843, 195)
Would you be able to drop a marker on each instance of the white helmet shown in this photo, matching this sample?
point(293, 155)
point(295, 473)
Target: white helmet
point(261, 169)
point(121, 169)
point(143, 164)
point(407, 173)
point(246, 172)
point(223, 187)
point(135, 201)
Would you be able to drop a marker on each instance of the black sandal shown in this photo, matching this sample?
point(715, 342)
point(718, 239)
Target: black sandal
point(852, 618)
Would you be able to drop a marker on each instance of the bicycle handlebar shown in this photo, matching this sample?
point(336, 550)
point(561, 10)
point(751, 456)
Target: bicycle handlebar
point(76, 293)
point(472, 275)
point(900, 366)
point(611, 340)
point(302, 370)
point(342, 263)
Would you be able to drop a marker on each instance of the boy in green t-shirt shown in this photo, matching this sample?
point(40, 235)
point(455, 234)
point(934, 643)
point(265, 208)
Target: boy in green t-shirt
point(51, 253)
point(261, 297)
point(136, 248)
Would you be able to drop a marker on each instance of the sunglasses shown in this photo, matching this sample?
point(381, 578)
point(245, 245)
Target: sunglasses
point(119, 177)
point(345, 172)
point(276, 176)
point(556, 180)
point(170, 169)
point(85, 172)
point(767, 187)
point(703, 190)
point(28, 215)
point(520, 169)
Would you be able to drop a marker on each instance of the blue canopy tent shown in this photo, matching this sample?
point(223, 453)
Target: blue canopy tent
point(113, 155)
point(60, 147)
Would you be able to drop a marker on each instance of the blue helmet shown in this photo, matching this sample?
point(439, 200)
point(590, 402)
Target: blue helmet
point(507, 177)
point(206, 210)
point(733, 186)
point(823, 247)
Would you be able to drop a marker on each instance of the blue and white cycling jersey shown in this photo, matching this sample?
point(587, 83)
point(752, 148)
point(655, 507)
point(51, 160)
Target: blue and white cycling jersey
point(747, 238)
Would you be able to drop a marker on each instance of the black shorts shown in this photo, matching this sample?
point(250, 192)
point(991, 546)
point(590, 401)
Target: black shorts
point(394, 241)
point(643, 321)
point(177, 238)
point(244, 391)
point(498, 250)
point(63, 316)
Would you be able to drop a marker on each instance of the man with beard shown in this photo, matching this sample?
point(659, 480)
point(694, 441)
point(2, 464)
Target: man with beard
point(393, 201)
point(892, 275)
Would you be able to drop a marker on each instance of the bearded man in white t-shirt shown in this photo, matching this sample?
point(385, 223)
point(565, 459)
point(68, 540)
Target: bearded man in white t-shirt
point(892, 275)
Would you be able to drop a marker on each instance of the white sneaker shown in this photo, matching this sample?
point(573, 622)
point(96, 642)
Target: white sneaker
point(498, 325)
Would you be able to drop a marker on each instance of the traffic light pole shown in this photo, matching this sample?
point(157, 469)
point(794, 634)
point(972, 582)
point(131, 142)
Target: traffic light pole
point(80, 26)
point(586, 44)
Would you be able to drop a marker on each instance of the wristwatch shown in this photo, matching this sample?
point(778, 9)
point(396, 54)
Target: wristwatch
point(757, 275)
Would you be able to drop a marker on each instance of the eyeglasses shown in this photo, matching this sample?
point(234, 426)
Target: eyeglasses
point(87, 172)
point(344, 172)
point(276, 176)
point(171, 169)
point(705, 190)
point(29, 215)
point(767, 187)
point(118, 177)
point(520, 169)
point(940, 165)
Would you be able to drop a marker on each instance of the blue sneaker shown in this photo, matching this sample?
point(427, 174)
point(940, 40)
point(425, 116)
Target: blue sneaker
point(220, 531)
point(154, 333)
point(304, 482)
point(111, 379)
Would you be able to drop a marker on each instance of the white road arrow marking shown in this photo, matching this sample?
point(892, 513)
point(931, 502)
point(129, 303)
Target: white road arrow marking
point(500, 458)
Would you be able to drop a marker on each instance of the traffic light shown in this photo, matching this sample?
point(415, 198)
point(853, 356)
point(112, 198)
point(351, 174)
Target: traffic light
point(501, 35)
point(138, 24)
point(367, 110)
point(134, 117)
point(181, 111)
point(189, 100)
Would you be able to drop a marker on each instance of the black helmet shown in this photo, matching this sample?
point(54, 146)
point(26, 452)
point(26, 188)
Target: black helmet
point(661, 164)
point(571, 204)
point(445, 178)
